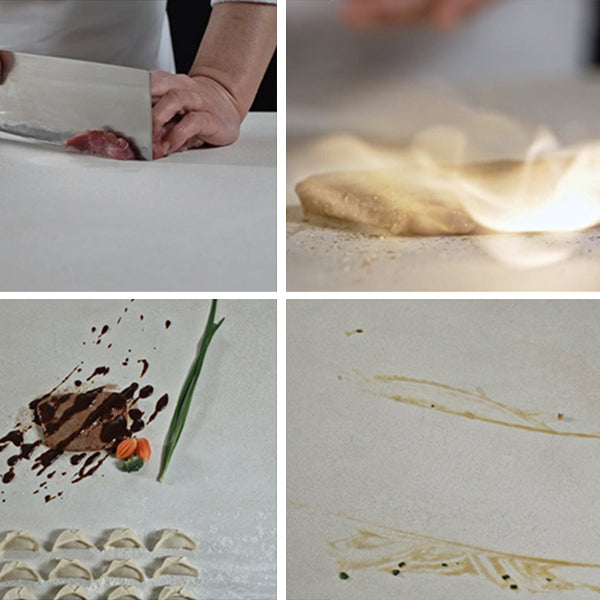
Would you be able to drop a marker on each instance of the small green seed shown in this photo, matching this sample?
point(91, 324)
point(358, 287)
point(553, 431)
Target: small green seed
point(344, 575)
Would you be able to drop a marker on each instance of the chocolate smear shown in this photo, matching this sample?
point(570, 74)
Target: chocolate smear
point(145, 366)
point(160, 405)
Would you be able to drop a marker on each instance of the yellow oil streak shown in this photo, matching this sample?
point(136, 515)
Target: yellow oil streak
point(463, 403)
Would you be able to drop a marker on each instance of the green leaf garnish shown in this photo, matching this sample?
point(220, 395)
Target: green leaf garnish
point(132, 464)
point(185, 397)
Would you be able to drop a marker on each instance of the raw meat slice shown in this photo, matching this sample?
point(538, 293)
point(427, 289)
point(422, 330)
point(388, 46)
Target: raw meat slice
point(103, 143)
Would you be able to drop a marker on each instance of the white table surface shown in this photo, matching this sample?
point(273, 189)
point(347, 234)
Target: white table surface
point(220, 486)
point(422, 476)
point(325, 259)
point(199, 220)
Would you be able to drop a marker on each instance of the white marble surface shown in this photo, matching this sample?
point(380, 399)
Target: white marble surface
point(220, 486)
point(358, 460)
point(200, 220)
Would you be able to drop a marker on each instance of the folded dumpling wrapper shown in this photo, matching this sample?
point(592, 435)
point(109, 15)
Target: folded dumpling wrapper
point(72, 591)
point(127, 569)
point(18, 593)
point(19, 540)
point(125, 592)
point(69, 568)
point(174, 538)
point(123, 538)
point(173, 592)
point(176, 565)
point(72, 539)
point(17, 570)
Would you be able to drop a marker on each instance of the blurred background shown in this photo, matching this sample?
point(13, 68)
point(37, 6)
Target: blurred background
point(507, 38)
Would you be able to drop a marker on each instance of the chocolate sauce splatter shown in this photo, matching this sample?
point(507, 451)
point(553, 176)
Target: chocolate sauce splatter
point(48, 497)
point(77, 458)
point(141, 317)
point(99, 371)
point(145, 366)
point(82, 473)
point(15, 437)
point(146, 391)
point(77, 382)
point(93, 330)
point(8, 476)
point(167, 324)
point(160, 405)
point(104, 329)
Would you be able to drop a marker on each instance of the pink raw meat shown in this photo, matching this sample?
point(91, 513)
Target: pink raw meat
point(103, 143)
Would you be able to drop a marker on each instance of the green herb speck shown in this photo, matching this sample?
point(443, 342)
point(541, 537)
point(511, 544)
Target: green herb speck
point(396, 572)
point(401, 564)
point(514, 586)
point(505, 577)
point(444, 564)
point(344, 575)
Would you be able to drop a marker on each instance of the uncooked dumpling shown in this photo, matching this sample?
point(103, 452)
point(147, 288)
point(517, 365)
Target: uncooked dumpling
point(18, 540)
point(72, 539)
point(176, 565)
point(125, 592)
point(123, 538)
point(174, 538)
point(16, 570)
point(18, 593)
point(173, 592)
point(69, 568)
point(72, 591)
point(124, 568)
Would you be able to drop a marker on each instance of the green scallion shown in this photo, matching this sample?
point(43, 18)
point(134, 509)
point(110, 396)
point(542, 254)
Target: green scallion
point(185, 397)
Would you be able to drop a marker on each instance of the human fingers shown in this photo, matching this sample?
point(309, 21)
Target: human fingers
point(174, 102)
point(196, 128)
point(448, 13)
point(381, 12)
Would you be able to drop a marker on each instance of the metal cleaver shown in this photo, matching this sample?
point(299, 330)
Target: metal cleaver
point(53, 99)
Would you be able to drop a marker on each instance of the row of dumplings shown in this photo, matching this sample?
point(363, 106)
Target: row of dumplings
point(68, 568)
point(75, 539)
point(123, 592)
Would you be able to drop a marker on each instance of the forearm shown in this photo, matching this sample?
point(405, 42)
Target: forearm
point(236, 49)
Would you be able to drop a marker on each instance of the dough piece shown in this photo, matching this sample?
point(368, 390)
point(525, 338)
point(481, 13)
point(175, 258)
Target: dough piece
point(125, 592)
point(16, 570)
point(123, 538)
point(69, 568)
point(176, 565)
point(174, 538)
point(172, 592)
point(124, 568)
point(72, 539)
point(18, 593)
point(19, 540)
point(385, 200)
point(72, 591)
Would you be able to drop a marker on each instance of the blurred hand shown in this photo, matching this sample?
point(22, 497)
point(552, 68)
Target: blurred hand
point(190, 111)
point(440, 13)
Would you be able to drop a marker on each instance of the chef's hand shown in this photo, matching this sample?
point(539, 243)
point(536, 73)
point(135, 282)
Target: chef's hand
point(440, 13)
point(191, 111)
point(209, 104)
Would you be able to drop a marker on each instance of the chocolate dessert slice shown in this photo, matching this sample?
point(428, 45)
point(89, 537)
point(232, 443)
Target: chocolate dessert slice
point(92, 420)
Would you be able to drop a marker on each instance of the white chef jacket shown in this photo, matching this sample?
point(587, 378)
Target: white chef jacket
point(132, 33)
